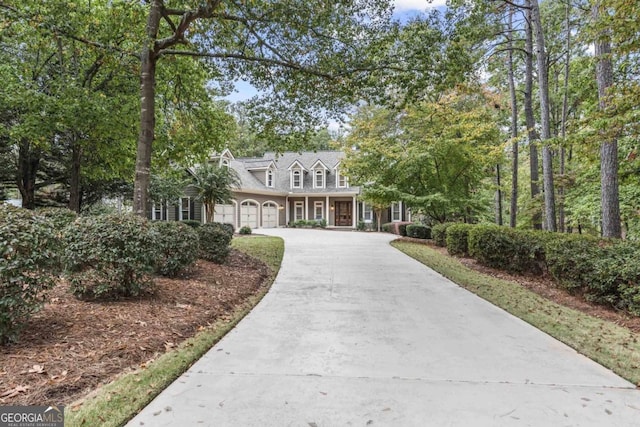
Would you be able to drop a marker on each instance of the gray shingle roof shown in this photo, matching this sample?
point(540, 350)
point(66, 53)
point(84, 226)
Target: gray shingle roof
point(282, 183)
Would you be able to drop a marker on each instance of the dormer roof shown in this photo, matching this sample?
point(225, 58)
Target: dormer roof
point(319, 165)
point(296, 165)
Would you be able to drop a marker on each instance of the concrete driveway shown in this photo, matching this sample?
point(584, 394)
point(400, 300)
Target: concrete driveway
point(354, 333)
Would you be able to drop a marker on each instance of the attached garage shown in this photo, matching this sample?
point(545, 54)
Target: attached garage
point(269, 215)
point(225, 214)
point(249, 214)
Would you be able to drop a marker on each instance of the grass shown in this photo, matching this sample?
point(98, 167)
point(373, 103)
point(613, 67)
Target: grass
point(119, 401)
point(611, 345)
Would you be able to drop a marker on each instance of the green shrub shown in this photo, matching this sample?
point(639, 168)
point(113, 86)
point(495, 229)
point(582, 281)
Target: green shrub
point(110, 256)
point(388, 227)
point(361, 226)
point(214, 243)
point(176, 247)
point(418, 231)
point(229, 227)
point(59, 217)
point(29, 261)
point(191, 223)
point(402, 229)
point(571, 258)
point(245, 230)
point(617, 276)
point(457, 235)
point(439, 233)
point(507, 249)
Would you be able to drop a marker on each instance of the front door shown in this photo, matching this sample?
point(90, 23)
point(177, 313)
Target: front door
point(343, 214)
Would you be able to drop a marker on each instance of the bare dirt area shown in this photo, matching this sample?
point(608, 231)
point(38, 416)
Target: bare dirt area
point(70, 347)
point(545, 287)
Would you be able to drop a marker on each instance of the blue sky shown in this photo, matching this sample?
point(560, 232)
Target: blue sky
point(404, 10)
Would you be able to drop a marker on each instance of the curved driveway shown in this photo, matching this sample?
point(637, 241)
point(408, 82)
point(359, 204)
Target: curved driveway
point(354, 333)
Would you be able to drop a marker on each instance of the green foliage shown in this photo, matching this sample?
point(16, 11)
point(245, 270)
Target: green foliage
point(507, 249)
point(418, 231)
point(361, 226)
point(59, 217)
point(245, 230)
point(457, 239)
point(570, 259)
point(402, 229)
point(191, 223)
point(176, 246)
point(108, 257)
point(214, 242)
point(29, 251)
point(439, 233)
point(214, 184)
point(310, 223)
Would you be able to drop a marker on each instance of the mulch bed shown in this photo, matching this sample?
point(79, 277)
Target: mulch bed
point(545, 287)
point(71, 347)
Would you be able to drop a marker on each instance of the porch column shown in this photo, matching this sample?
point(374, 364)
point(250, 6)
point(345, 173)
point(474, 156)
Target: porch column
point(306, 208)
point(326, 210)
point(287, 208)
point(354, 213)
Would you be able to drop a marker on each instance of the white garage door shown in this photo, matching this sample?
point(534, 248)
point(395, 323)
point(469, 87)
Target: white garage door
point(225, 214)
point(249, 214)
point(269, 215)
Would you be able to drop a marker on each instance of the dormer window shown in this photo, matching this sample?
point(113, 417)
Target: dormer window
point(269, 178)
point(341, 180)
point(318, 181)
point(224, 162)
point(296, 178)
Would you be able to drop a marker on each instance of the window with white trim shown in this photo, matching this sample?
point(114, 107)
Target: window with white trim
point(367, 213)
point(224, 162)
point(318, 210)
point(185, 208)
point(341, 180)
point(159, 212)
point(298, 211)
point(396, 211)
point(296, 178)
point(319, 176)
point(269, 178)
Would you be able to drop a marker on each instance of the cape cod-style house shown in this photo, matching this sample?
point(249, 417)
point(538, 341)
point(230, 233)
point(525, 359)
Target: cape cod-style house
point(280, 189)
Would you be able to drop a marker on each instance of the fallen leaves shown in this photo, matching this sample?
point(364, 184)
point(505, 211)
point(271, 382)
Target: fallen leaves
point(14, 391)
point(37, 369)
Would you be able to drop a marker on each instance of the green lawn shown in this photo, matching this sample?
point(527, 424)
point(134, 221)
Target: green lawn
point(119, 401)
point(613, 346)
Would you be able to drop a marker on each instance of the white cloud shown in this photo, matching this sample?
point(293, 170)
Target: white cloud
point(406, 5)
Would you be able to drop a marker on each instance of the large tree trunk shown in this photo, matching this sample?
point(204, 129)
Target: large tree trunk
point(532, 134)
point(609, 198)
point(514, 124)
point(543, 89)
point(498, 196)
point(563, 123)
point(74, 179)
point(147, 113)
point(28, 163)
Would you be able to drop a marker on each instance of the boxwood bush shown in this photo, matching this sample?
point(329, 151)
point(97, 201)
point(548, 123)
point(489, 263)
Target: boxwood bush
point(570, 259)
point(29, 260)
point(191, 223)
point(418, 231)
point(108, 257)
point(176, 247)
point(439, 233)
point(457, 235)
point(245, 230)
point(507, 249)
point(214, 242)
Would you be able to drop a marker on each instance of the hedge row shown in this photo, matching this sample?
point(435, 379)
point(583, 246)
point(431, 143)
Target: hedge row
point(604, 271)
point(103, 257)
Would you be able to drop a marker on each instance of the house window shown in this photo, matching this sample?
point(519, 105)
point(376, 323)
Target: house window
point(269, 177)
point(319, 178)
point(367, 213)
point(298, 211)
point(159, 212)
point(342, 181)
point(318, 210)
point(185, 208)
point(396, 211)
point(296, 178)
